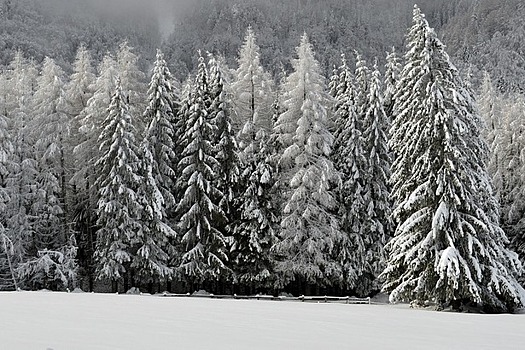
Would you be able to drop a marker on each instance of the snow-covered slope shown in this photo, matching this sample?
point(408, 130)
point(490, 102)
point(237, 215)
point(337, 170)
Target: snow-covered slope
point(60, 321)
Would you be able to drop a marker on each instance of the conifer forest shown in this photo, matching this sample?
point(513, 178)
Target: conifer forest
point(337, 147)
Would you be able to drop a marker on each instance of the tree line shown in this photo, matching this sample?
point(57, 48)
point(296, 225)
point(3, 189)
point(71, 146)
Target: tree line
point(235, 182)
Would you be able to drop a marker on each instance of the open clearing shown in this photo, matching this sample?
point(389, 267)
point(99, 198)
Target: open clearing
point(77, 321)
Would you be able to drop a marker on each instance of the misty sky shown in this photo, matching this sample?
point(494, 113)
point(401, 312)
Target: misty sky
point(166, 10)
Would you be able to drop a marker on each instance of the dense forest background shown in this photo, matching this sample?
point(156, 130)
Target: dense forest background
point(480, 34)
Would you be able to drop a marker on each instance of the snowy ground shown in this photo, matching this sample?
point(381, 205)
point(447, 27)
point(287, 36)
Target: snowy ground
point(60, 321)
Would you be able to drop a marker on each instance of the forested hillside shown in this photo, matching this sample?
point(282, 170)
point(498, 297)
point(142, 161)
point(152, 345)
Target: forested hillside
point(56, 28)
point(299, 146)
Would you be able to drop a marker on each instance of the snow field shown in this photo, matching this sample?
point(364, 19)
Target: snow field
point(61, 321)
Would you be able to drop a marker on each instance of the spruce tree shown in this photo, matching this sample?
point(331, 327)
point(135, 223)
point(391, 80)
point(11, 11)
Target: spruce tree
point(310, 228)
point(350, 161)
point(161, 116)
point(203, 244)
point(227, 150)
point(118, 206)
point(376, 222)
point(448, 247)
point(154, 241)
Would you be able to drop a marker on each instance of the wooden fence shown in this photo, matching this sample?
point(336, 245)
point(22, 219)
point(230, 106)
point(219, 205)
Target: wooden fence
point(302, 298)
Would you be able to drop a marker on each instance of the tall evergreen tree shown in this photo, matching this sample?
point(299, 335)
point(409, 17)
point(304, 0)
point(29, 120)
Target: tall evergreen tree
point(203, 244)
point(154, 241)
point(448, 247)
point(227, 150)
point(377, 225)
point(310, 229)
point(161, 116)
point(349, 160)
point(118, 180)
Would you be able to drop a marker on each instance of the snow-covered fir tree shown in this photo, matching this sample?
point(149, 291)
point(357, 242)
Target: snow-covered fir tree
point(377, 225)
point(203, 244)
point(154, 240)
point(162, 118)
point(310, 229)
point(349, 159)
point(227, 150)
point(253, 233)
point(119, 207)
point(448, 247)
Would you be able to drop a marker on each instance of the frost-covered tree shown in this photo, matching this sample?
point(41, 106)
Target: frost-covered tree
point(133, 83)
point(8, 278)
point(78, 90)
point(86, 153)
point(22, 169)
point(376, 192)
point(508, 165)
point(491, 108)
point(310, 229)
point(77, 93)
point(253, 231)
point(203, 244)
point(118, 180)
point(448, 247)
point(252, 93)
point(50, 135)
point(162, 118)
point(51, 254)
